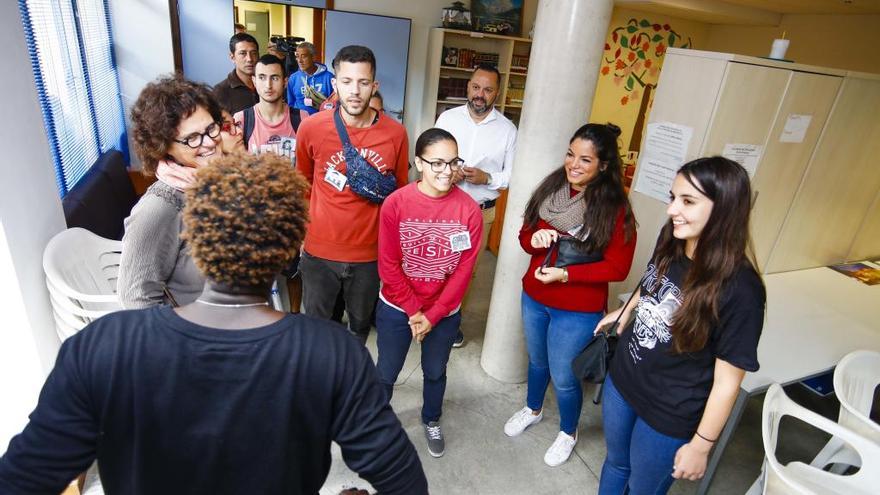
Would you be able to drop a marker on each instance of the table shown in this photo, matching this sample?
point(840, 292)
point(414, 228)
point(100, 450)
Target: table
point(814, 318)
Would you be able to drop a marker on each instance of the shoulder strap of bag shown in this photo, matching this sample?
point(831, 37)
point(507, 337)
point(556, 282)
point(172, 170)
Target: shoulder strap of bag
point(295, 118)
point(614, 331)
point(340, 128)
point(248, 125)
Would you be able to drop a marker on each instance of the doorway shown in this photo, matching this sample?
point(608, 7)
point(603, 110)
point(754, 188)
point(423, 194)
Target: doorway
point(257, 24)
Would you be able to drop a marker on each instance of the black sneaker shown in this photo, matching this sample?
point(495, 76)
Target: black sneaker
point(436, 445)
point(459, 340)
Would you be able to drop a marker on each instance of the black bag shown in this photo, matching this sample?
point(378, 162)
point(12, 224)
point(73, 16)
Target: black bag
point(363, 179)
point(250, 122)
point(568, 253)
point(592, 363)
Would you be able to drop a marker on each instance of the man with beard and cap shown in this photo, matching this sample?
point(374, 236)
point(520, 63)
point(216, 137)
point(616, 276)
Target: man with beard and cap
point(340, 251)
point(486, 141)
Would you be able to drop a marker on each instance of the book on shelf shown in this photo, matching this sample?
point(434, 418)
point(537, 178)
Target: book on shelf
point(452, 87)
point(863, 272)
point(450, 57)
point(519, 62)
point(465, 58)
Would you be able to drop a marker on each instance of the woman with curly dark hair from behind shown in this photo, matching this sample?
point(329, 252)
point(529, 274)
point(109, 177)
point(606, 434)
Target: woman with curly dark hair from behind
point(176, 128)
point(225, 394)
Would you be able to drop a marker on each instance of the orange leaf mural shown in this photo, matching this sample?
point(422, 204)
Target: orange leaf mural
point(634, 54)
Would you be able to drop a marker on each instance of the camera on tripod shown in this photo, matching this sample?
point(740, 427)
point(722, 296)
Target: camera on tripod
point(286, 44)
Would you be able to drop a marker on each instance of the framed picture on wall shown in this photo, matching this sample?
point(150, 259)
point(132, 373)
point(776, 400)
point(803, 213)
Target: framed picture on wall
point(497, 16)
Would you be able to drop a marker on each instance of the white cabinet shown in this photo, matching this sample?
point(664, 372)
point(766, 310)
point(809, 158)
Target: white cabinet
point(817, 198)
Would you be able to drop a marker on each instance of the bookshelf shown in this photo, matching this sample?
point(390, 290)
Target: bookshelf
point(452, 54)
point(446, 83)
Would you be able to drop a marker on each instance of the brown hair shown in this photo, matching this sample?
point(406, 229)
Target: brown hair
point(604, 195)
point(245, 218)
point(159, 109)
point(721, 250)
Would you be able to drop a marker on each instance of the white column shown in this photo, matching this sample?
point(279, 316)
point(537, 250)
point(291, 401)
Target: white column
point(563, 68)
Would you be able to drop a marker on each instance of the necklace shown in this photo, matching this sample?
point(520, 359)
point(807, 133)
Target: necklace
point(249, 305)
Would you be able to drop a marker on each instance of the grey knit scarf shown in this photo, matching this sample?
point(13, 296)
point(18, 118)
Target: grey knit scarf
point(564, 212)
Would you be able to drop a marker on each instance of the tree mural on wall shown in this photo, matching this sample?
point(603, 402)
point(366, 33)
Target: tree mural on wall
point(634, 54)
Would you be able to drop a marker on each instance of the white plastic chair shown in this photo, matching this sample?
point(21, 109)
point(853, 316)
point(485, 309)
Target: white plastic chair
point(855, 379)
point(800, 478)
point(81, 271)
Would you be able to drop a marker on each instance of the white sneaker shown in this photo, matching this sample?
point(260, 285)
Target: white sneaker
point(521, 420)
point(561, 449)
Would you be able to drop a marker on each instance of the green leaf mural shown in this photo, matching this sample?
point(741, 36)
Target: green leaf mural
point(639, 47)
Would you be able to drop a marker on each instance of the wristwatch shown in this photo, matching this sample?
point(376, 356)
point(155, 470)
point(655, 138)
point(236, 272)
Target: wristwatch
point(488, 179)
point(564, 275)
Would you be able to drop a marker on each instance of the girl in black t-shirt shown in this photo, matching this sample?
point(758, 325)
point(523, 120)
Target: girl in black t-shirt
point(681, 359)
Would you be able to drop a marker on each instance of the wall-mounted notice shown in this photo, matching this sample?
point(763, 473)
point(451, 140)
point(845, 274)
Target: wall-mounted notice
point(662, 155)
point(746, 155)
point(795, 129)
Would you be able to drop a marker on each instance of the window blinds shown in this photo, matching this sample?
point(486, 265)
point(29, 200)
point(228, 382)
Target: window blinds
point(75, 74)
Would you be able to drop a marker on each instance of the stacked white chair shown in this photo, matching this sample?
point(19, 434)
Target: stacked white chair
point(800, 478)
point(855, 379)
point(81, 271)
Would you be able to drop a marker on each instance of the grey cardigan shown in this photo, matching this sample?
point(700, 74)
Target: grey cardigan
point(154, 257)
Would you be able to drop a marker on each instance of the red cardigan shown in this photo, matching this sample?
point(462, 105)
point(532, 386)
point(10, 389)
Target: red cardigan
point(587, 286)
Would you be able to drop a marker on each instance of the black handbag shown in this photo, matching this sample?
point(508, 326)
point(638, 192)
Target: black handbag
point(568, 253)
point(363, 179)
point(592, 363)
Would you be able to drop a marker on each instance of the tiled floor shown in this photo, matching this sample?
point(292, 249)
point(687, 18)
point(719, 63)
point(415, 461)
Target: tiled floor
point(480, 459)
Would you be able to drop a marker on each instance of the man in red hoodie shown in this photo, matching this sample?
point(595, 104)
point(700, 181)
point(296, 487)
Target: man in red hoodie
point(341, 244)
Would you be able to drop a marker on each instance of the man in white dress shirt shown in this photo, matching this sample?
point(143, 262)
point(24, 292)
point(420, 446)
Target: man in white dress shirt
point(486, 141)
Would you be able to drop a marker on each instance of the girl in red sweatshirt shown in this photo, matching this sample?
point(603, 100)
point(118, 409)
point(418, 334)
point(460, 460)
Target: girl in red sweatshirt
point(564, 297)
point(429, 239)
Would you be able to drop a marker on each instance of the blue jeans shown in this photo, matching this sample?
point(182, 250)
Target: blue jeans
point(553, 338)
point(394, 337)
point(639, 459)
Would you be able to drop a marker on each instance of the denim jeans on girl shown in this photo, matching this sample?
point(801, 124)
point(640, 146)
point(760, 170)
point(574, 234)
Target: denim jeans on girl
point(553, 338)
point(394, 337)
point(639, 457)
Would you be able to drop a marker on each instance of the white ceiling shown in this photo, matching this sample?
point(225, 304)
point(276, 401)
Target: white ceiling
point(750, 12)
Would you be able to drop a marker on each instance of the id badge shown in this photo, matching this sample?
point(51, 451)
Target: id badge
point(460, 241)
point(335, 178)
point(308, 102)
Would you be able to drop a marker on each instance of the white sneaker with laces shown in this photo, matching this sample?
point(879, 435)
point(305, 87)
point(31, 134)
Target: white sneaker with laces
point(561, 449)
point(521, 420)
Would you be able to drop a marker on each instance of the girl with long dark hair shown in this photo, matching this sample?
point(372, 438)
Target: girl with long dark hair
point(583, 204)
point(698, 317)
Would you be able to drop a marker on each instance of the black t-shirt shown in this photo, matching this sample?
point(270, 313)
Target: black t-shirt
point(668, 390)
point(168, 406)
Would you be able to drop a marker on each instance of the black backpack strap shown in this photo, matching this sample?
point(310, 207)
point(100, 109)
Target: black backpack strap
point(249, 122)
point(295, 118)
